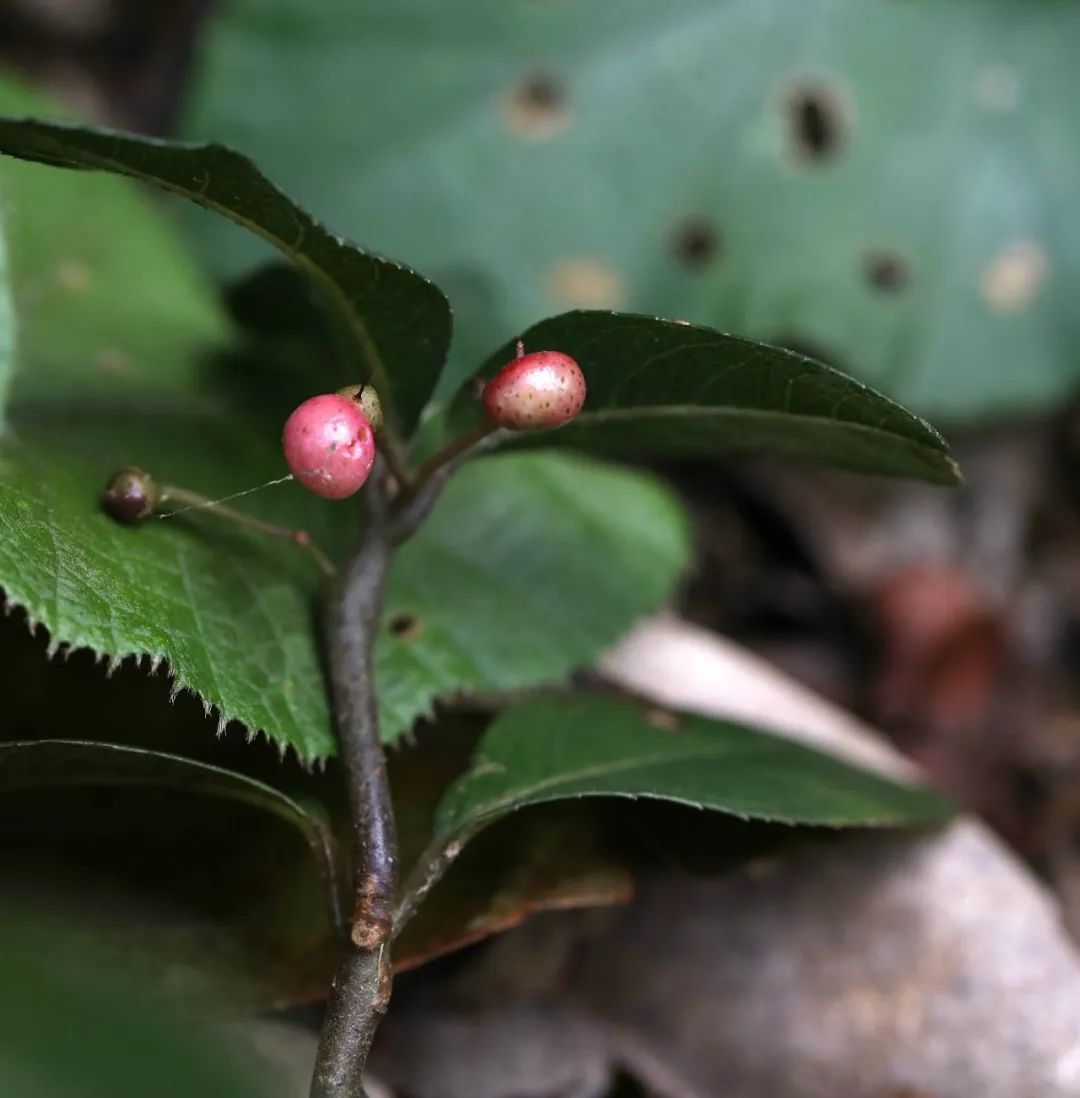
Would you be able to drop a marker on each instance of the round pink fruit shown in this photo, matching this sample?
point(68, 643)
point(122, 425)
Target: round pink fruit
point(535, 392)
point(329, 446)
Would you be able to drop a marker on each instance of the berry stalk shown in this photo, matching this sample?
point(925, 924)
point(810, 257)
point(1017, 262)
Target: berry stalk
point(132, 495)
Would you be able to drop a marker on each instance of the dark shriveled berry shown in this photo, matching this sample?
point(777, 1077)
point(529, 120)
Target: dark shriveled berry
point(131, 495)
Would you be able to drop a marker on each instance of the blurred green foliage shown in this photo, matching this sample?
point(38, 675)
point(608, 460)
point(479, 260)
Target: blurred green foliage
point(889, 185)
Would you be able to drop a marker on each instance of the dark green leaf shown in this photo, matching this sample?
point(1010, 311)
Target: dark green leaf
point(529, 567)
point(892, 183)
point(556, 857)
point(205, 867)
point(201, 867)
point(76, 763)
point(658, 386)
point(588, 746)
point(563, 748)
point(398, 321)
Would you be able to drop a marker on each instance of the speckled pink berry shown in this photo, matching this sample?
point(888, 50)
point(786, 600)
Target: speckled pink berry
point(329, 446)
point(535, 392)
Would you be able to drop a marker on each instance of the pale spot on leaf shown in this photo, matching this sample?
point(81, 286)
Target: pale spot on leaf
point(663, 719)
point(998, 88)
point(112, 361)
point(72, 275)
point(586, 284)
point(1012, 279)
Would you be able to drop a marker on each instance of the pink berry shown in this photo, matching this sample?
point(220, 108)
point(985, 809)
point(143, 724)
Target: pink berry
point(329, 446)
point(535, 392)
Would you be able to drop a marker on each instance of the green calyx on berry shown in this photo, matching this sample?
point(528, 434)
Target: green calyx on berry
point(367, 400)
point(131, 495)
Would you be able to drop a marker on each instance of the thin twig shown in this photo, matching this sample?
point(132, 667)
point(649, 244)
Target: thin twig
point(428, 871)
point(352, 625)
point(461, 447)
point(358, 1000)
point(170, 493)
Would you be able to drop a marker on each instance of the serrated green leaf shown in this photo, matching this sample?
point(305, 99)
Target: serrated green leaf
point(399, 322)
point(537, 157)
point(7, 328)
point(659, 386)
point(589, 746)
point(125, 357)
point(528, 568)
point(232, 613)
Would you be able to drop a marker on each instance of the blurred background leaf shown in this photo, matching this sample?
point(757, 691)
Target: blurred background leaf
point(396, 323)
point(71, 1025)
point(883, 185)
point(107, 296)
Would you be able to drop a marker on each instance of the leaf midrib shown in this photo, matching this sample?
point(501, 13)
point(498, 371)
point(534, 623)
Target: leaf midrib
point(734, 411)
point(545, 788)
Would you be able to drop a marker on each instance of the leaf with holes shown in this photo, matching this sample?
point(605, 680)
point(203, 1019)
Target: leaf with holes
point(233, 874)
point(529, 567)
point(399, 323)
point(656, 386)
point(767, 167)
